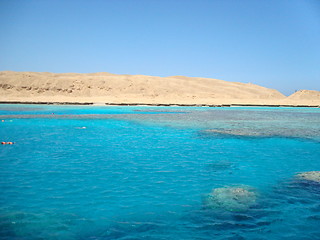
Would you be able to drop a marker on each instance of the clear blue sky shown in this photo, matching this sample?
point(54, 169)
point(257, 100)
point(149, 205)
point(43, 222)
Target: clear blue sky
point(273, 43)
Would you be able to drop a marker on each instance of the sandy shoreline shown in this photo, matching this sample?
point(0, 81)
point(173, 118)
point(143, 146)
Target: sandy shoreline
point(163, 104)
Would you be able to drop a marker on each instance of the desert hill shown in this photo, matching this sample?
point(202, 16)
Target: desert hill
point(113, 88)
point(305, 95)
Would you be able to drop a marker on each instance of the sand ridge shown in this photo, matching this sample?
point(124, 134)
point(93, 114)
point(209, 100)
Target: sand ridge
point(305, 94)
point(116, 88)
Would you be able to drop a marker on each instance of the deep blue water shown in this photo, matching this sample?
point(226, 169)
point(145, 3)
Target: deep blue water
point(93, 172)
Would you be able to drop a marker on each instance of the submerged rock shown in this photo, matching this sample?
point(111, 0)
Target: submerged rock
point(220, 165)
point(231, 198)
point(313, 176)
point(41, 225)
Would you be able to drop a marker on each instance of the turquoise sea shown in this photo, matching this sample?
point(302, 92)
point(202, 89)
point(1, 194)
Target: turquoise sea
point(109, 172)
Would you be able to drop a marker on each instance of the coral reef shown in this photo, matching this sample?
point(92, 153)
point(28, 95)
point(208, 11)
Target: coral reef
point(231, 198)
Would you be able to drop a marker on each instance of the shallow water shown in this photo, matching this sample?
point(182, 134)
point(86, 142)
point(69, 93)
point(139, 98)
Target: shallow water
point(89, 172)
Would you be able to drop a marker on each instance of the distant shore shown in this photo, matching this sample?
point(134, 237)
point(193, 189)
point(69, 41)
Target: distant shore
point(133, 90)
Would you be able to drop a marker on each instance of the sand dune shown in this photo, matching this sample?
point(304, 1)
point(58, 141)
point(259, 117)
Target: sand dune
point(112, 88)
point(305, 95)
